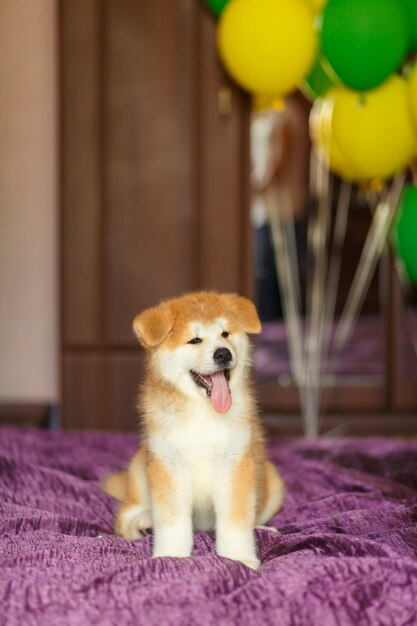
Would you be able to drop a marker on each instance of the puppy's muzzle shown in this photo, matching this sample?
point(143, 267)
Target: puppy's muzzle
point(222, 356)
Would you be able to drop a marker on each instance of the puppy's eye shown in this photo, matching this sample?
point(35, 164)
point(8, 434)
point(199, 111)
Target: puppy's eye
point(225, 334)
point(195, 340)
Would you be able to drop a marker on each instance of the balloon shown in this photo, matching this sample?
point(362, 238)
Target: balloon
point(365, 40)
point(322, 137)
point(411, 7)
point(268, 46)
point(374, 130)
point(217, 6)
point(262, 102)
point(318, 81)
point(405, 232)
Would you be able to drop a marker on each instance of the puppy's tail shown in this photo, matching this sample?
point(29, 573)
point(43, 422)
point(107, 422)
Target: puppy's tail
point(115, 485)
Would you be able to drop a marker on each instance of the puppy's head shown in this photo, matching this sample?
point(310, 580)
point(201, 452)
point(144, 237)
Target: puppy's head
point(199, 343)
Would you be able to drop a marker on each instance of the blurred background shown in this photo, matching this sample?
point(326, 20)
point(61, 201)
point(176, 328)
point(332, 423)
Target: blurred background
point(138, 161)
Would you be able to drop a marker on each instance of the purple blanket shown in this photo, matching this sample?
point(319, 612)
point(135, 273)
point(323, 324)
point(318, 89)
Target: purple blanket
point(347, 553)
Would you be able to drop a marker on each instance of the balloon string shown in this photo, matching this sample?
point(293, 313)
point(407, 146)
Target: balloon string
point(286, 276)
point(291, 238)
point(320, 188)
point(335, 263)
point(318, 246)
point(372, 251)
point(311, 229)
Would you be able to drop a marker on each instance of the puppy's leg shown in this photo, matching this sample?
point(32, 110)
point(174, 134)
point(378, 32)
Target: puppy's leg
point(171, 509)
point(271, 496)
point(235, 505)
point(133, 518)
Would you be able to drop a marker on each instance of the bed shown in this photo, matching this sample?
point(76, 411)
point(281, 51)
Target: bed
point(347, 552)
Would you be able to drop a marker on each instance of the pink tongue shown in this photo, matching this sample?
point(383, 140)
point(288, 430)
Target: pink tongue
point(220, 394)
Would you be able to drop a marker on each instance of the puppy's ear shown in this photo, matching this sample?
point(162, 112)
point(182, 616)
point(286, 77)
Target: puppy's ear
point(244, 312)
point(153, 325)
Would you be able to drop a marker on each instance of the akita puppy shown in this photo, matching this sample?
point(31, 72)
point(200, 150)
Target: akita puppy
point(202, 461)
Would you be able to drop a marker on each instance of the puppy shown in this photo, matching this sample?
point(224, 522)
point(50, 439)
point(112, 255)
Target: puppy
point(202, 462)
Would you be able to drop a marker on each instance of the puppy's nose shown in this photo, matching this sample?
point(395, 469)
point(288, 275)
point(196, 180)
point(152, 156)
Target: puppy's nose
point(222, 356)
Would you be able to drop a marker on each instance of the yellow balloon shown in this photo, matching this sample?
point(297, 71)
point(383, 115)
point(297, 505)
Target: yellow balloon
point(322, 138)
point(266, 102)
point(267, 46)
point(374, 129)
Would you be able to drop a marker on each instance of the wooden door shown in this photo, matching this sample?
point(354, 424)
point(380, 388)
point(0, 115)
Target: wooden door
point(154, 176)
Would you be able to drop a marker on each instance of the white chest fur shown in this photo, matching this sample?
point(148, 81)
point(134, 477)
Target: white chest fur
point(199, 449)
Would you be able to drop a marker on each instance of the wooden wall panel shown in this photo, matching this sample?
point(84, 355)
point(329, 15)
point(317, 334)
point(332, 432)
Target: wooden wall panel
point(147, 159)
point(401, 384)
point(100, 389)
point(124, 376)
point(153, 201)
point(223, 192)
point(81, 172)
point(83, 390)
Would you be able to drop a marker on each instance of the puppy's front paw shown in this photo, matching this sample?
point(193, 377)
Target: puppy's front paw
point(249, 560)
point(171, 551)
point(239, 545)
point(243, 551)
point(253, 563)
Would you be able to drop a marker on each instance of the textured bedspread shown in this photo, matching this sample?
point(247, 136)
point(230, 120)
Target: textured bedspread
point(347, 553)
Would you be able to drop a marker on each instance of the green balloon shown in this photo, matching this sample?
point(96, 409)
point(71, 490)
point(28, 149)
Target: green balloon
point(217, 6)
point(318, 82)
point(405, 232)
point(411, 8)
point(365, 40)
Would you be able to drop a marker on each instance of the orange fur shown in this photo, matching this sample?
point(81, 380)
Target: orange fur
point(156, 324)
point(161, 486)
point(153, 325)
point(243, 492)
